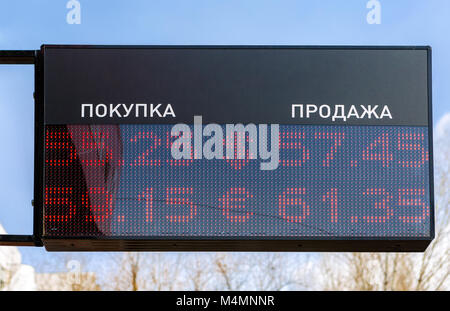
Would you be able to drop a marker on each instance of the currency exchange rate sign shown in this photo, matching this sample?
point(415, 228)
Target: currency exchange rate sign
point(236, 148)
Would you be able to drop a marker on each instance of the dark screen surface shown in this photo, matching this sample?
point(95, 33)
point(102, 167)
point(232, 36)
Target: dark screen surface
point(236, 84)
point(341, 181)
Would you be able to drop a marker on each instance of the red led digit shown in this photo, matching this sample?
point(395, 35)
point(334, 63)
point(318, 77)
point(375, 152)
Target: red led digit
point(336, 141)
point(378, 151)
point(233, 204)
point(291, 206)
point(57, 141)
point(382, 206)
point(181, 162)
point(412, 200)
point(412, 142)
point(332, 197)
point(293, 141)
point(180, 196)
point(57, 200)
point(147, 196)
point(95, 144)
point(144, 159)
point(239, 160)
point(99, 201)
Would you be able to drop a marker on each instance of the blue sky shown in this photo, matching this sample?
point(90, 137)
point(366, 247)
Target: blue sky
point(26, 24)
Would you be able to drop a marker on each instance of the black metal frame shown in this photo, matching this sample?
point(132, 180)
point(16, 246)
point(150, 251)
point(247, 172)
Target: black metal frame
point(38, 227)
point(319, 244)
point(23, 58)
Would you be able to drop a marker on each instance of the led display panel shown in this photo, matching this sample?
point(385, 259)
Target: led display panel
point(236, 148)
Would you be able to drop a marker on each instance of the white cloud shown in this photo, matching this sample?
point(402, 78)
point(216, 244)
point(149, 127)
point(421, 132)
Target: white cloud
point(442, 142)
point(442, 128)
point(441, 148)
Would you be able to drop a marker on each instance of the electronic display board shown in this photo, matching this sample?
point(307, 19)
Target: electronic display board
point(236, 148)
